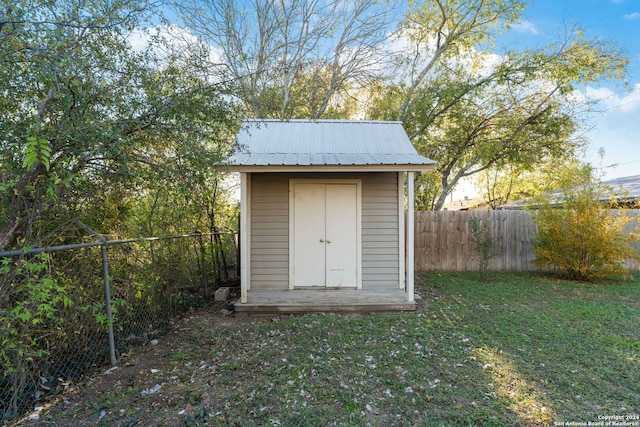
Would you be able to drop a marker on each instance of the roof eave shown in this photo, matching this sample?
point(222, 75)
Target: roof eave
point(328, 168)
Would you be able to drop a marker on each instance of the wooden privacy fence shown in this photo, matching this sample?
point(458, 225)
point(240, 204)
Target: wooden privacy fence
point(443, 240)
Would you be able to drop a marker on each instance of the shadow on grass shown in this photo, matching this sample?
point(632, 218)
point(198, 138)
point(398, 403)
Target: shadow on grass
point(550, 350)
point(518, 350)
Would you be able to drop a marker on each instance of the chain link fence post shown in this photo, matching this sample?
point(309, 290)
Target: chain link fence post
point(107, 298)
point(132, 297)
point(107, 290)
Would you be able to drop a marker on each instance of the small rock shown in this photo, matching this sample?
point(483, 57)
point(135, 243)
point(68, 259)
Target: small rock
point(110, 371)
point(186, 409)
point(153, 390)
point(154, 342)
point(133, 339)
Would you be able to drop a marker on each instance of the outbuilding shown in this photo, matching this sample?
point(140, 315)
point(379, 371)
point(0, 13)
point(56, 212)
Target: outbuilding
point(325, 225)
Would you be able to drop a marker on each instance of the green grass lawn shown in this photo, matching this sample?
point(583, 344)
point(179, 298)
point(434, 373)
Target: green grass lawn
point(516, 350)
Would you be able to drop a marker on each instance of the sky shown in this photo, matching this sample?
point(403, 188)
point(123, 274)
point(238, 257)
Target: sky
point(617, 128)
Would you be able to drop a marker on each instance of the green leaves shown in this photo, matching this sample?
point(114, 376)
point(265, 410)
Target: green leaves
point(581, 234)
point(471, 109)
point(35, 300)
point(481, 238)
point(90, 114)
point(37, 150)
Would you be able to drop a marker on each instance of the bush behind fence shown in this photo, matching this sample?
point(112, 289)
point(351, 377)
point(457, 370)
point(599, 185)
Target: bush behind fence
point(443, 240)
point(53, 317)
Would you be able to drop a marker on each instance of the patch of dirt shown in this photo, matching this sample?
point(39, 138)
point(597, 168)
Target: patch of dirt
point(94, 398)
point(147, 388)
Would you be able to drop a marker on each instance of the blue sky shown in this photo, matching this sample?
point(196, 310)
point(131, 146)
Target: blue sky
point(617, 129)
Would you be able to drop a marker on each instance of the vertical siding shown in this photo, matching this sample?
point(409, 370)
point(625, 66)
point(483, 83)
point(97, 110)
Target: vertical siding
point(270, 228)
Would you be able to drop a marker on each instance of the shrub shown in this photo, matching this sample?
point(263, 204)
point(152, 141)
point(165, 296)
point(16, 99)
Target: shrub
point(481, 238)
point(30, 324)
point(584, 236)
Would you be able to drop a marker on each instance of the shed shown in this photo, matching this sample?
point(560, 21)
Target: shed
point(322, 223)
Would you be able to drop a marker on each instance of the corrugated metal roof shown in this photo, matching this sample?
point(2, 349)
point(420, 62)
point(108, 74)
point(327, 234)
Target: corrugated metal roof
point(325, 143)
point(625, 189)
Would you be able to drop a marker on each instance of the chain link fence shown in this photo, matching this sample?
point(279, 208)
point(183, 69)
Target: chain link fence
point(57, 324)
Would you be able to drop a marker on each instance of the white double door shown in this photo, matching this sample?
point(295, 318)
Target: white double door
point(325, 234)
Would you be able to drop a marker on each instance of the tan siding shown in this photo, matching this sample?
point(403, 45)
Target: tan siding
point(378, 229)
point(270, 264)
point(267, 236)
point(382, 238)
point(264, 257)
point(270, 228)
point(386, 251)
point(269, 231)
point(272, 246)
point(380, 245)
point(380, 278)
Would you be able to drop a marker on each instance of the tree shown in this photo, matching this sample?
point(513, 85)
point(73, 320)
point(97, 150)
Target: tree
point(272, 49)
point(439, 32)
point(470, 114)
point(500, 185)
point(87, 113)
point(92, 128)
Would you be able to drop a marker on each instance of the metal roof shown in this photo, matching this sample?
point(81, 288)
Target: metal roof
point(295, 144)
point(625, 189)
point(626, 186)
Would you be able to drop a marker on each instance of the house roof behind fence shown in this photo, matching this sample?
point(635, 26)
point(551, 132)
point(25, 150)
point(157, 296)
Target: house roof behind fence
point(626, 191)
point(327, 144)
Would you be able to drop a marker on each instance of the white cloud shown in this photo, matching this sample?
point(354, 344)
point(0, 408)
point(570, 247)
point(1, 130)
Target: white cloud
point(523, 26)
point(489, 63)
point(615, 130)
point(635, 15)
point(175, 41)
point(626, 103)
point(139, 40)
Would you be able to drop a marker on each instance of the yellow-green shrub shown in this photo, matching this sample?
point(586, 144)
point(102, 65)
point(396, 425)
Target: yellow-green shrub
point(583, 236)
